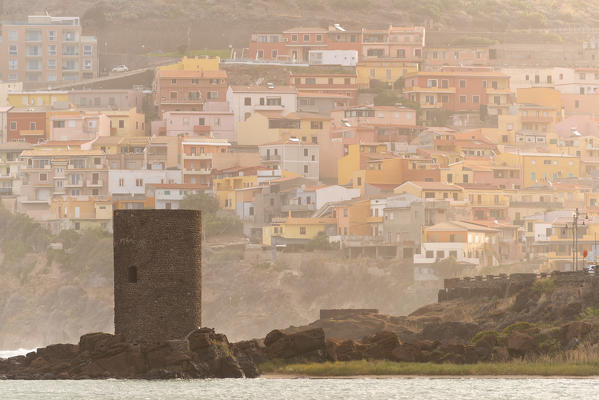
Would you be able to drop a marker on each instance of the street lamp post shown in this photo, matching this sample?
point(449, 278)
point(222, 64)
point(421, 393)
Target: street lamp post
point(575, 217)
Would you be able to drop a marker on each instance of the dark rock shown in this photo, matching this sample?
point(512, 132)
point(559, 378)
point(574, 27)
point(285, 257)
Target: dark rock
point(283, 346)
point(450, 332)
point(576, 329)
point(407, 352)
point(349, 350)
point(381, 345)
point(519, 343)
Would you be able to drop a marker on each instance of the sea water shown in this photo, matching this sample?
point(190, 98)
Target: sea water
point(302, 388)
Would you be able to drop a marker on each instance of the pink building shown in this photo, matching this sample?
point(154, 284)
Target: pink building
point(217, 122)
point(78, 125)
point(373, 116)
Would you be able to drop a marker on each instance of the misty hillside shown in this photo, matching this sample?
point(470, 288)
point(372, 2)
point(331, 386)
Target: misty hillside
point(131, 25)
point(50, 295)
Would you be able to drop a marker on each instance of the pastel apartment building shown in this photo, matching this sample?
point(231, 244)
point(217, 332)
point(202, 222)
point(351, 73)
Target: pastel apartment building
point(402, 43)
point(460, 90)
point(245, 100)
point(294, 156)
point(50, 173)
point(196, 158)
point(77, 125)
point(27, 125)
point(120, 99)
point(185, 90)
point(10, 165)
point(295, 44)
point(345, 84)
point(46, 49)
point(219, 124)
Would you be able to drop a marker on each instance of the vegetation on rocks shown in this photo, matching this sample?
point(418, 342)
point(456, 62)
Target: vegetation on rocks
point(379, 367)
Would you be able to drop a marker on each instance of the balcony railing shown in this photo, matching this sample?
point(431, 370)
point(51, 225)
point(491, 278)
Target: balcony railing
point(5, 191)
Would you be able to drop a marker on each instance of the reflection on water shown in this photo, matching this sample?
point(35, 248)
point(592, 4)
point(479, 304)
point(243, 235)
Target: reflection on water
point(262, 389)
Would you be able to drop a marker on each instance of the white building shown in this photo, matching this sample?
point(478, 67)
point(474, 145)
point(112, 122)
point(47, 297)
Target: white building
point(346, 58)
point(244, 100)
point(133, 181)
point(565, 80)
point(169, 195)
point(293, 156)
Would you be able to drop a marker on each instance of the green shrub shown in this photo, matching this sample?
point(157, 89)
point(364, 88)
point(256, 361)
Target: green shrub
point(518, 326)
point(541, 286)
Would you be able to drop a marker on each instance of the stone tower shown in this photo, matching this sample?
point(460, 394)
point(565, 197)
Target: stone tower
point(157, 273)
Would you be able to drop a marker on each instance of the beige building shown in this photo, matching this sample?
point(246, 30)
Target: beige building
point(46, 49)
point(48, 174)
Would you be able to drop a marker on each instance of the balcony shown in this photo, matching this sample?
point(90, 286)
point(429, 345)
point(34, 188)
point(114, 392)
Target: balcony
point(199, 156)
point(97, 183)
point(73, 184)
point(200, 171)
point(434, 89)
point(5, 191)
point(201, 129)
point(271, 158)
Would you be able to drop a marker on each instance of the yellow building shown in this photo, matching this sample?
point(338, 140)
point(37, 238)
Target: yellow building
point(541, 168)
point(542, 96)
point(353, 161)
point(225, 189)
point(79, 213)
point(201, 63)
point(264, 127)
point(37, 98)
point(295, 231)
point(383, 71)
point(126, 122)
point(431, 190)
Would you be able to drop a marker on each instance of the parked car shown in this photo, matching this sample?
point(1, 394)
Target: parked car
point(120, 68)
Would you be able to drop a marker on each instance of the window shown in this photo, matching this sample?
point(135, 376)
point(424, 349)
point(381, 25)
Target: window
point(43, 177)
point(13, 36)
point(13, 125)
point(431, 83)
point(444, 83)
point(58, 124)
point(462, 83)
point(132, 274)
point(372, 72)
point(13, 50)
point(260, 54)
point(476, 99)
point(302, 230)
point(310, 81)
point(305, 152)
point(444, 98)
point(247, 101)
point(401, 53)
point(274, 53)
point(212, 95)
point(32, 126)
point(294, 38)
point(139, 182)
point(316, 125)
point(121, 123)
point(273, 101)
point(51, 64)
point(52, 36)
point(305, 169)
point(87, 64)
point(319, 38)
point(462, 99)
point(13, 65)
point(87, 51)
point(306, 38)
point(430, 254)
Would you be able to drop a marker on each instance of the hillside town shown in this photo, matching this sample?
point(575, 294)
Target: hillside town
point(374, 142)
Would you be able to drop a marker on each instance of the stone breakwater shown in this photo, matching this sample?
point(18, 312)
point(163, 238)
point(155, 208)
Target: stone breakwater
point(503, 285)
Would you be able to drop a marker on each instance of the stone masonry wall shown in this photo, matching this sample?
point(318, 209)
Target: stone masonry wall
point(157, 273)
point(504, 285)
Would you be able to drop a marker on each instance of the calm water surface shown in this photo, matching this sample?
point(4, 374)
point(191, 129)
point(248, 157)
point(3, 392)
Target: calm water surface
point(262, 389)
